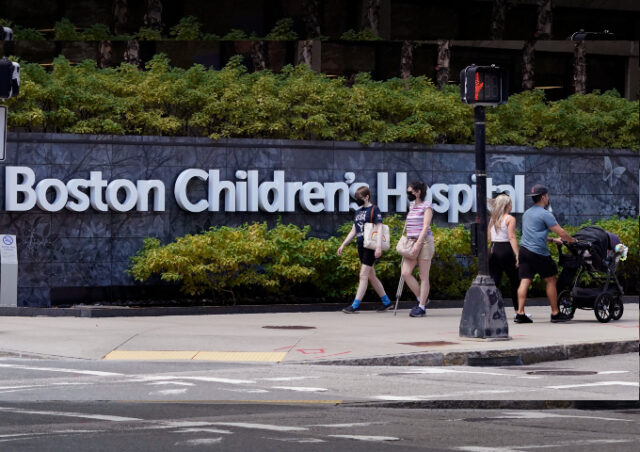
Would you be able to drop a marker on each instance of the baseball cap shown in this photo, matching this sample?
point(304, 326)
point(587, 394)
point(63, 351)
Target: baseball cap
point(538, 189)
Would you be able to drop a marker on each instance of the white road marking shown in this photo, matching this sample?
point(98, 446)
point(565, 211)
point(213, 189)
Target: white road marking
point(297, 440)
point(300, 389)
point(204, 430)
point(455, 394)
point(178, 424)
point(435, 370)
point(275, 428)
point(27, 436)
point(608, 372)
point(520, 448)
point(286, 378)
point(59, 369)
point(145, 378)
point(177, 383)
point(8, 389)
point(366, 437)
point(100, 417)
point(600, 383)
point(355, 424)
point(199, 442)
point(246, 391)
point(545, 415)
point(169, 392)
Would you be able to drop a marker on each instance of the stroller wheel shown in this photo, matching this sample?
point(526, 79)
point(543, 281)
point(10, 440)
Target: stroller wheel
point(565, 303)
point(617, 308)
point(602, 307)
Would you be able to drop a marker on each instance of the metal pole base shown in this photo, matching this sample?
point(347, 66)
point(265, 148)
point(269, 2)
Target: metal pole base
point(483, 312)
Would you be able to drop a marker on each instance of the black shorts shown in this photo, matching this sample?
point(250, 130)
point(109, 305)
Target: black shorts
point(533, 263)
point(367, 256)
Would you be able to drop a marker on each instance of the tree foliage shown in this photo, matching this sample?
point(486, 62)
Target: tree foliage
point(300, 104)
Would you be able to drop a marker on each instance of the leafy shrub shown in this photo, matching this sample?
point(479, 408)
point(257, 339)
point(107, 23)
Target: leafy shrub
point(188, 29)
point(582, 120)
point(97, 32)
point(300, 104)
point(64, 30)
point(365, 34)
point(235, 35)
point(282, 31)
point(148, 34)
point(284, 259)
point(253, 259)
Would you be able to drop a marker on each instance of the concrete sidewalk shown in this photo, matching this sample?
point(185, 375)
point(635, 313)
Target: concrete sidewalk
point(366, 338)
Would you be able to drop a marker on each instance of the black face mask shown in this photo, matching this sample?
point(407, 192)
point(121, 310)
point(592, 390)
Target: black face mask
point(360, 202)
point(411, 196)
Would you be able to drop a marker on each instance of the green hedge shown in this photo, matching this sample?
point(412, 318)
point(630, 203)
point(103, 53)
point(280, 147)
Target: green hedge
point(300, 104)
point(253, 259)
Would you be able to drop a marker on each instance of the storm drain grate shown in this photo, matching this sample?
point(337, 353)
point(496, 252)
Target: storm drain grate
point(428, 344)
point(562, 372)
point(289, 327)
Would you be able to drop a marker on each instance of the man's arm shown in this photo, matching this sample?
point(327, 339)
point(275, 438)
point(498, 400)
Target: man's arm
point(564, 235)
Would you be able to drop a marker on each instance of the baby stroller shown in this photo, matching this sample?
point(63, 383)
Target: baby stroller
point(596, 254)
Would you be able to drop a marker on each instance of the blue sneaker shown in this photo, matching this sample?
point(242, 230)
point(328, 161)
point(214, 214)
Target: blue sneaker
point(417, 311)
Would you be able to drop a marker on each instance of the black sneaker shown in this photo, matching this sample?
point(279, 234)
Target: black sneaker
point(417, 311)
point(385, 307)
point(522, 318)
point(350, 310)
point(560, 317)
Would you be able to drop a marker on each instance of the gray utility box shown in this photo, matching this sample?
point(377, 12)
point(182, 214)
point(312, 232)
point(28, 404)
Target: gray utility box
point(8, 270)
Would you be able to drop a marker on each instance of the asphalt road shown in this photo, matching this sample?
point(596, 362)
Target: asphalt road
point(613, 377)
point(104, 426)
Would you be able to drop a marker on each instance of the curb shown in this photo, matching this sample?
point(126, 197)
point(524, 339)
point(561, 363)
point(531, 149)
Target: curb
point(123, 311)
point(592, 405)
point(510, 357)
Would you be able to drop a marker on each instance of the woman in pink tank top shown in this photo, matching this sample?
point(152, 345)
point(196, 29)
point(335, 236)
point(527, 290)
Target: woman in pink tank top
point(419, 228)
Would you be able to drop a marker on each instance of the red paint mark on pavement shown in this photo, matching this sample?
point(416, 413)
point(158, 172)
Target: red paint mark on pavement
point(288, 347)
point(311, 351)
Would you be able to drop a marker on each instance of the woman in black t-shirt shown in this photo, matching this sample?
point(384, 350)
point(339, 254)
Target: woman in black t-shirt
point(367, 256)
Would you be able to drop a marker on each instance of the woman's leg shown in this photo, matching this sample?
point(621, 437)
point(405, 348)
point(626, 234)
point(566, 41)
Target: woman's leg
point(514, 279)
point(365, 271)
point(376, 283)
point(407, 274)
point(424, 267)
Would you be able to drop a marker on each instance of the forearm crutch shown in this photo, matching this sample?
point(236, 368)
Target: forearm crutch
point(400, 288)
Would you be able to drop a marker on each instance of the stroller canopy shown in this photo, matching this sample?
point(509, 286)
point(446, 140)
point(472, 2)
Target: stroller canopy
point(600, 242)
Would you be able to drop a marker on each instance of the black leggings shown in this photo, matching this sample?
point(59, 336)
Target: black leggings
point(502, 260)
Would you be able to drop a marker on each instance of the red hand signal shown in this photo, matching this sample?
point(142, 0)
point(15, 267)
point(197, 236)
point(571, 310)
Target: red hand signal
point(479, 85)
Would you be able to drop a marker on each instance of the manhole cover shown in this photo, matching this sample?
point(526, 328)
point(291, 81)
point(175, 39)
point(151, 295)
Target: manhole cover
point(428, 344)
point(289, 327)
point(562, 372)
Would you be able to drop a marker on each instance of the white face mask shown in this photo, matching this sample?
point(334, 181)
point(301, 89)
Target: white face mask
point(549, 207)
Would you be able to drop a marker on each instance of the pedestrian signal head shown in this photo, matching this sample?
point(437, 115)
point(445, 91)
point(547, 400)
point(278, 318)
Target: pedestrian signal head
point(483, 85)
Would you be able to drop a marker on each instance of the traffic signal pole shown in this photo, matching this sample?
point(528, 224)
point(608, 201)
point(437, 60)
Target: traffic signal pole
point(483, 314)
point(481, 189)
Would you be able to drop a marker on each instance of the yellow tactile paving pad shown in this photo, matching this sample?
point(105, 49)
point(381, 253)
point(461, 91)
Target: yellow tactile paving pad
point(152, 355)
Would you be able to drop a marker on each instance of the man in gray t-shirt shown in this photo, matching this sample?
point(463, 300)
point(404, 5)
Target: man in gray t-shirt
point(534, 257)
